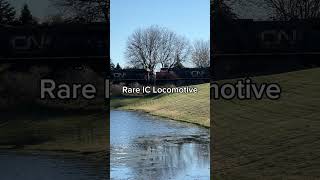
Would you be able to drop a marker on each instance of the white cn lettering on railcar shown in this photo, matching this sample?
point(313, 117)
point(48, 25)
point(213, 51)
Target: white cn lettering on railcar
point(274, 38)
point(29, 42)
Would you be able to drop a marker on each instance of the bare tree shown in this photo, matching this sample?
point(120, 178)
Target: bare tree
point(295, 9)
point(85, 10)
point(175, 50)
point(142, 48)
point(146, 48)
point(223, 8)
point(182, 51)
point(201, 53)
point(112, 66)
point(7, 12)
point(54, 19)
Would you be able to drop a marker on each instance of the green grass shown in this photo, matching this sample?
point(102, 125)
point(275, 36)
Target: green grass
point(265, 139)
point(82, 133)
point(192, 108)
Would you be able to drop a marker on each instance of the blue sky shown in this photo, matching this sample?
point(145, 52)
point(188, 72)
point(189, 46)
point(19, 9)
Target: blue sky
point(190, 18)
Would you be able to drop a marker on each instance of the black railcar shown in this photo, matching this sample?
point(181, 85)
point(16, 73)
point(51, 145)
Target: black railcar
point(183, 75)
point(177, 76)
point(55, 45)
point(128, 76)
point(247, 47)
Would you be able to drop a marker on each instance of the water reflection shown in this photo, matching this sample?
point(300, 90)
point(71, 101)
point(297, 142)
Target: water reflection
point(28, 166)
point(65, 136)
point(163, 149)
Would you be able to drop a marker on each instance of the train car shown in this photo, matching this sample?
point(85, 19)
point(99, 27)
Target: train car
point(163, 76)
point(65, 40)
point(247, 47)
point(57, 45)
point(128, 76)
point(182, 75)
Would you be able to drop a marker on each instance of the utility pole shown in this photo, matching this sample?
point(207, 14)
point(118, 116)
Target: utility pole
point(215, 20)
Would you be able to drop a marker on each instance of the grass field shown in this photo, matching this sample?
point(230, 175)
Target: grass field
point(265, 139)
point(193, 108)
point(84, 133)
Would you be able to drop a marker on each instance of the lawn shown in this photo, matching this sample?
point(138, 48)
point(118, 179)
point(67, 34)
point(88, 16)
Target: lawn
point(188, 107)
point(265, 139)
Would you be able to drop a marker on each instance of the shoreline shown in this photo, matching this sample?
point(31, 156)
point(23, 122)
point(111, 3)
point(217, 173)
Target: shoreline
point(159, 116)
point(58, 133)
point(87, 154)
point(96, 156)
point(187, 108)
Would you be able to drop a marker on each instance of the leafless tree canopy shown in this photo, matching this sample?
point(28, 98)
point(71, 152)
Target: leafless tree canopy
point(146, 48)
point(85, 10)
point(274, 9)
point(295, 9)
point(201, 53)
point(7, 12)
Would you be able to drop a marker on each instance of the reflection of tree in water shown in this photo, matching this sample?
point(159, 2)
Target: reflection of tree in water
point(165, 158)
point(87, 134)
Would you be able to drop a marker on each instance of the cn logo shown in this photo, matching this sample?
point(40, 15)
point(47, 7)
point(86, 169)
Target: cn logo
point(28, 42)
point(274, 38)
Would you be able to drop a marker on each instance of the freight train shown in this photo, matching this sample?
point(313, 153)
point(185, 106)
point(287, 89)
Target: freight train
point(56, 45)
point(177, 76)
point(247, 47)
